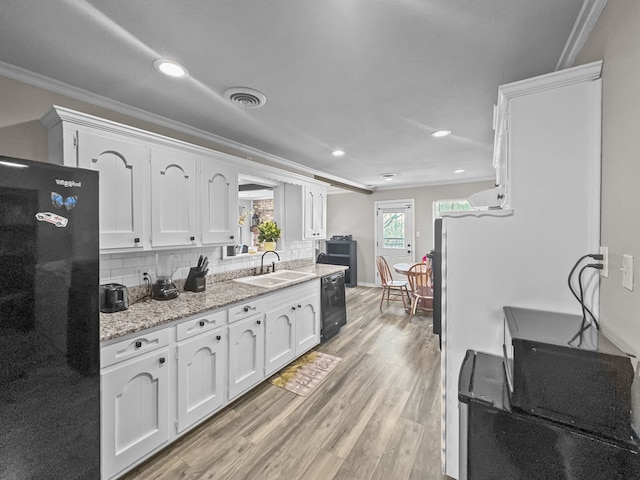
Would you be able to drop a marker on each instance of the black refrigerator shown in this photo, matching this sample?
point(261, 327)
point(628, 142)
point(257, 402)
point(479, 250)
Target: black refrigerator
point(49, 322)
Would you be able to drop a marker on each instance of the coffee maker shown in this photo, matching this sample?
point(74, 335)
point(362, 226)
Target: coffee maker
point(164, 288)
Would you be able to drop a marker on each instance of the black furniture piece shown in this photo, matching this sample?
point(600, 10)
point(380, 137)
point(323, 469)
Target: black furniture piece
point(343, 252)
point(498, 442)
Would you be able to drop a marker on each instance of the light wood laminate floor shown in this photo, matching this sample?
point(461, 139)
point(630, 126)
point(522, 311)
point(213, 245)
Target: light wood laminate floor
point(376, 416)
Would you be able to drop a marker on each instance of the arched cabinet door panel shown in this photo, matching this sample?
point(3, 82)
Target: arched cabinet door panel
point(135, 410)
point(173, 197)
point(121, 165)
point(218, 202)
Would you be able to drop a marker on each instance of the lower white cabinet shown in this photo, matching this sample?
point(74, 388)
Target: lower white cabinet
point(280, 342)
point(202, 364)
point(307, 323)
point(246, 354)
point(135, 410)
point(292, 324)
point(159, 383)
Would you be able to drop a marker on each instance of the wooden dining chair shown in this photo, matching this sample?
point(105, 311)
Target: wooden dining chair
point(394, 289)
point(420, 288)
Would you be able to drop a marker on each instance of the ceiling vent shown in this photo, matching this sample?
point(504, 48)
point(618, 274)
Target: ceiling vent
point(245, 97)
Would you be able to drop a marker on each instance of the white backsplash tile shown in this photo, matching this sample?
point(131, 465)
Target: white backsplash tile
point(124, 268)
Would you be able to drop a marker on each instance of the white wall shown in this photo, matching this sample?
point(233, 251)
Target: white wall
point(615, 40)
point(353, 213)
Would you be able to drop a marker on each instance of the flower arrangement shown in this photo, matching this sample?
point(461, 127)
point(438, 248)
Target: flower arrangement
point(242, 218)
point(268, 232)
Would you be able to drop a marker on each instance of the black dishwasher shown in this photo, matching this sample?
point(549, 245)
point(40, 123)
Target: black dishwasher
point(334, 305)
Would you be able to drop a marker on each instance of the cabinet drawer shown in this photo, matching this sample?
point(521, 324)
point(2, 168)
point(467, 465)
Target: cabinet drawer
point(201, 324)
point(291, 295)
point(245, 310)
point(134, 346)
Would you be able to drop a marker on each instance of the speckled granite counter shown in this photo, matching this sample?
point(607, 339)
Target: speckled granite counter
point(152, 313)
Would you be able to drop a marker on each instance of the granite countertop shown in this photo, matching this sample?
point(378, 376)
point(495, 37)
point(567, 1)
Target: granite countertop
point(152, 313)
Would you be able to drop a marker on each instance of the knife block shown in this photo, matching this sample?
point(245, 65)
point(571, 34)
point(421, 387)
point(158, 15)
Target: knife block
point(196, 280)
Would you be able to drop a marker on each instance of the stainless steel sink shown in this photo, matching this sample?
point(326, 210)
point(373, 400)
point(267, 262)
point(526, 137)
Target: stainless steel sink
point(276, 279)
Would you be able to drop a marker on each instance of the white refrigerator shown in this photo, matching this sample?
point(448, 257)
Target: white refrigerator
point(521, 254)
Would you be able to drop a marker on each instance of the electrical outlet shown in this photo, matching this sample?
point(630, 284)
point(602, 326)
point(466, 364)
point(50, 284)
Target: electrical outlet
point(627, 271)
point(140, 273)
point(604, 251)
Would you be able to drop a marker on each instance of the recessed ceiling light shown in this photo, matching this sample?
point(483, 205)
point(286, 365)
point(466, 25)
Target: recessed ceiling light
point(387, 177)
point(461, 170)
point(441, 133)
point(14, 165)
point(171, 69)
point(337, 153)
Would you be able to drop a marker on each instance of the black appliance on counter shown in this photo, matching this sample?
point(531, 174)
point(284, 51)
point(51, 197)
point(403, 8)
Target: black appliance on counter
point(333, 304)
point(556, 405)
point(499, 442)
point(113, 298)
point(581, 380)
point(49, 321)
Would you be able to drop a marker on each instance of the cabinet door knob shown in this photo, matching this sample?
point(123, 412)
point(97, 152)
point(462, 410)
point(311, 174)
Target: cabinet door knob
point(245, 309)
point(299, 306)
point(201, 322)
point(162, 360)
point(136, 240)
point(293, 308)
point(232, 237)
point(218, 337)
point(138, 344)
point(192, 238)
point(500, 196)
point(259, 322)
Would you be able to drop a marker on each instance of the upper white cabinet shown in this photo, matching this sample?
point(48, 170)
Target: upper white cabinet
point(173, 197)
point(155, 191)
point(122, 170)
point(218, 201)
point(305, 211)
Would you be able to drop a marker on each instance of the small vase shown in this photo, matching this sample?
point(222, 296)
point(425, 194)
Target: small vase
point(269, 246)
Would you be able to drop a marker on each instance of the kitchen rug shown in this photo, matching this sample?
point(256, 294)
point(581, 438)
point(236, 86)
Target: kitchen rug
point(306, 373)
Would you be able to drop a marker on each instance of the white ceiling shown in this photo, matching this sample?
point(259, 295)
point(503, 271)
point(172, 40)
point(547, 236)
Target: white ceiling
point(372, 77)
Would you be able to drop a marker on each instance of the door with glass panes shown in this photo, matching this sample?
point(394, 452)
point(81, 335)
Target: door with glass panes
point(394, 233)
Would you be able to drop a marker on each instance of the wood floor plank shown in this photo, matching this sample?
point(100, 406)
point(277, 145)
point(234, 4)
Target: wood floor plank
point(397, 459)
point(363, 458)
point(377, 415)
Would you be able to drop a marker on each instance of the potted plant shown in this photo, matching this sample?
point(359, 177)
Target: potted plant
point(268, 232)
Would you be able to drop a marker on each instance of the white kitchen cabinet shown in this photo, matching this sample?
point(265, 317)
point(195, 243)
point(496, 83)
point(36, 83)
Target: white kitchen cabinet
point(202, 364)
point(305, 211)
point(122, 172)
point(292, 324)
point(134, 410)
point(246, 354)
point(280, 338)
point(218, 202)
point(173, 197)
point(315, 217)
point(307, 322)
point(550, 147)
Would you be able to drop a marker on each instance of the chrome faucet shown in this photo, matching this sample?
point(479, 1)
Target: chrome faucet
point(273, 265)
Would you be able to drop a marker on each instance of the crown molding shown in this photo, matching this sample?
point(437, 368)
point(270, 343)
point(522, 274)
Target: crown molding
point(250, 153)
point(586, 20)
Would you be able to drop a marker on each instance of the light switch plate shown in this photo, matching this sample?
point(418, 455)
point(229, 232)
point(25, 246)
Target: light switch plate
point(627, 271)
